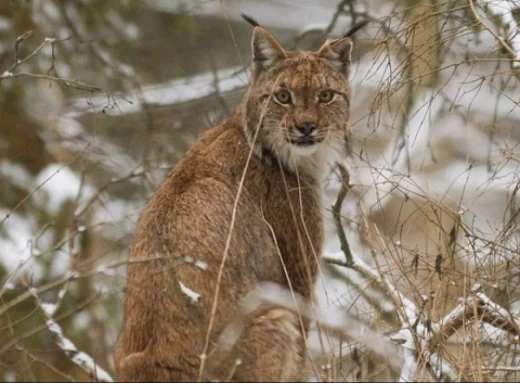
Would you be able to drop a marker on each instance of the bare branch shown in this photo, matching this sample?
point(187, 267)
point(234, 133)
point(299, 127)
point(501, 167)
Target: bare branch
point(336, 211)
point(514, 49)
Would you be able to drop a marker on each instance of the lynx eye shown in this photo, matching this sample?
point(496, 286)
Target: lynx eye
point(283, 96)
point(326, 96)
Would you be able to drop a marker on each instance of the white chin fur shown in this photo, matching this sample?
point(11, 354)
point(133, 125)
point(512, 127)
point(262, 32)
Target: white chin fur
point(304, 150)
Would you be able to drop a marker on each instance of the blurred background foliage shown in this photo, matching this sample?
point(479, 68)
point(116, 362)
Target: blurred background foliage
point(91, 120)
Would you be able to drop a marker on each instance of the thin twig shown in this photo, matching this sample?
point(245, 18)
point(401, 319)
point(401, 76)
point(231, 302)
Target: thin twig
point(70, 82)
point(74, 275)
point(514, 55)
point(227, 247)
point(336, 212)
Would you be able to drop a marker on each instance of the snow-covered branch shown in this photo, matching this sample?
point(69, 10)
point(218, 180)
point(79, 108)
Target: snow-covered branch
point(79, 358)
point(418, 336)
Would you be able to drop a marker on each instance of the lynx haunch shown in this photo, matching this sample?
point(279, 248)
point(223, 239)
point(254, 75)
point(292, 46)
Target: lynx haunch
point(247, 194)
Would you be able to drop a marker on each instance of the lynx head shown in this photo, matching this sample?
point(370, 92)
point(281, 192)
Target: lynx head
point(297, 107)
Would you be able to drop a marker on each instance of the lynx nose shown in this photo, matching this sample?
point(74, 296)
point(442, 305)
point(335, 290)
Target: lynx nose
point(306, 128)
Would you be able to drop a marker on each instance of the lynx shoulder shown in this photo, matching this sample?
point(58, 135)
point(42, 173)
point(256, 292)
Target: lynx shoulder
point(242, 207)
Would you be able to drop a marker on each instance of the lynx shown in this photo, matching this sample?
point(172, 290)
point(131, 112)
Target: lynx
point(242, 207)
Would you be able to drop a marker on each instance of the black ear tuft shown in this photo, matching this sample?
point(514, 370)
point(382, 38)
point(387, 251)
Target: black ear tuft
point(356, 28)
point(250, 20)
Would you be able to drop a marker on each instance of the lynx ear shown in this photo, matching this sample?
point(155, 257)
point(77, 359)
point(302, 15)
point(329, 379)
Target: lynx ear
point(266, 50)
point(338, 53)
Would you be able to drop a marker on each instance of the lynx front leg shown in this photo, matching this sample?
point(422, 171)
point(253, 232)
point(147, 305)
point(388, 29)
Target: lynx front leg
point(270, 347)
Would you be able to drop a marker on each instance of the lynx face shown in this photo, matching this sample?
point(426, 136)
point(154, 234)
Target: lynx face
point(298, 102)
